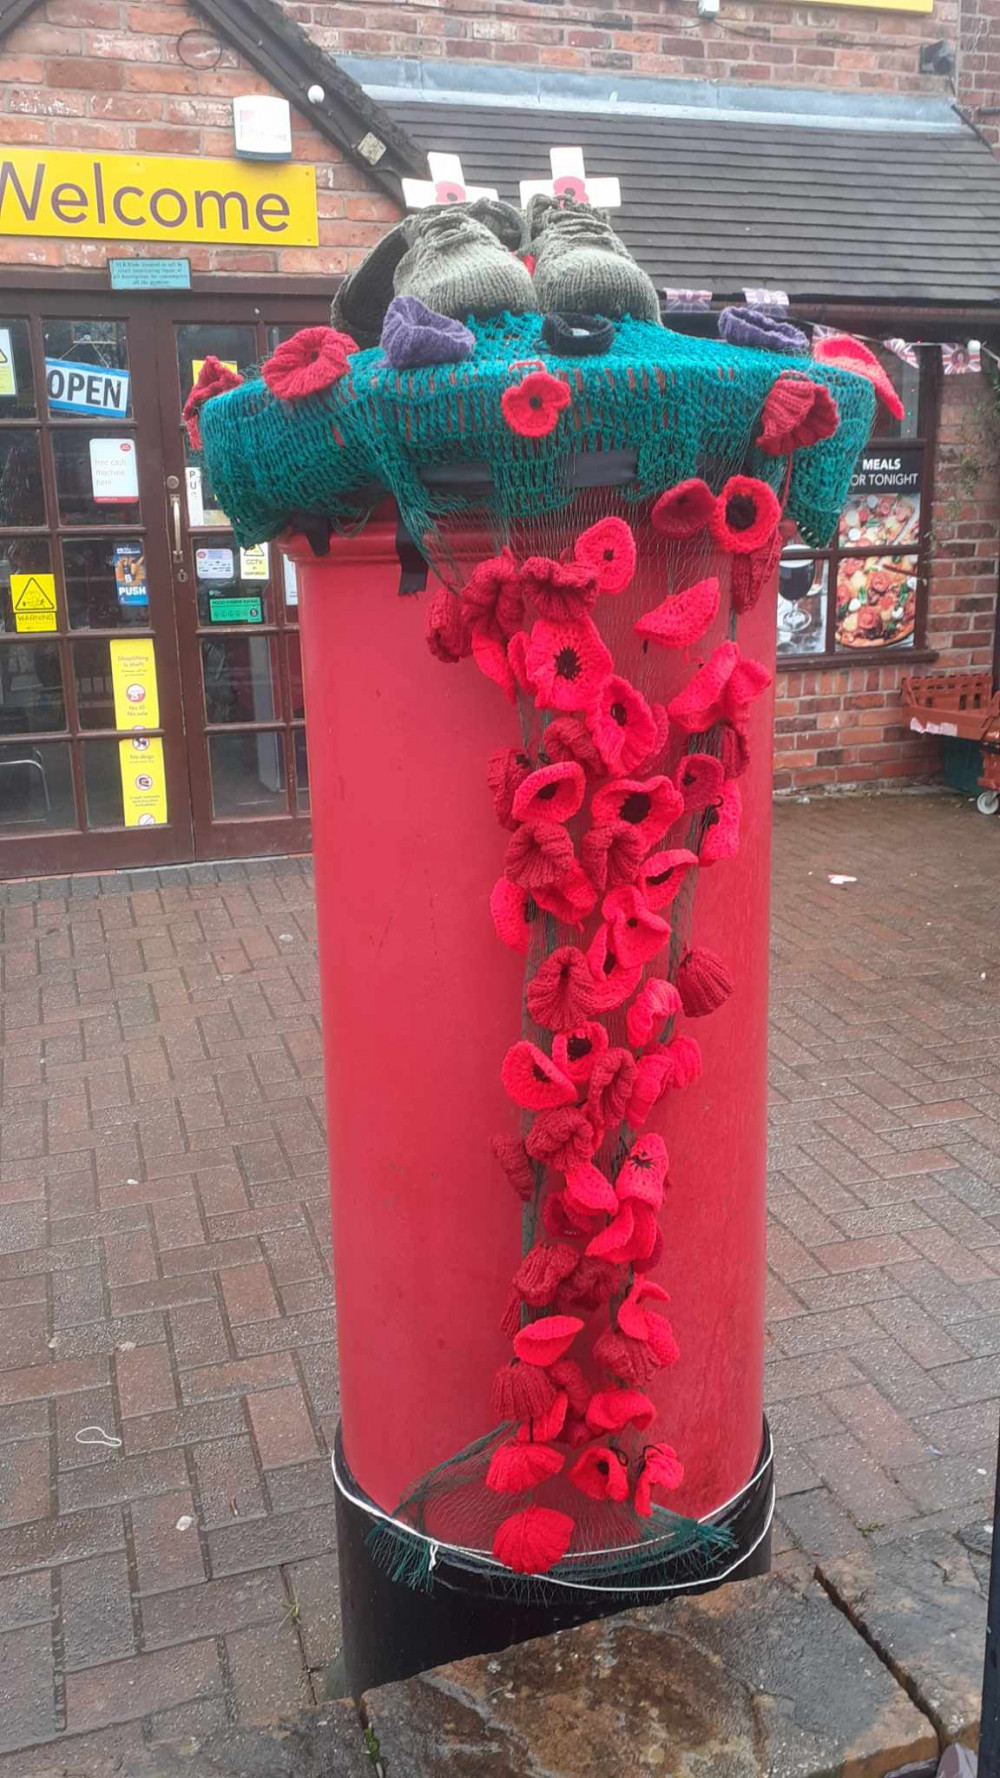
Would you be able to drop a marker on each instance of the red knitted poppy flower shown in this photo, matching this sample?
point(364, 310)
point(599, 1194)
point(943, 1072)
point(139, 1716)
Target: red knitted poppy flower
point(490, 657)
point(562, 993)
point(513, 1158)
point(643, 1174)
point(661, 1468)
point(611, 854)
point(683, 1059)
point(589, 1191)
point(532, 1542)
point(703, 982)
point(571, 899)
point(561, 1221)
point(612, 1242)
point(314, 358)
point(848, 353)
point(545, 1426)
point(514, 1468)
point(656, 1002)
point(616, 980)
point(750, 574)
point(601, 1473)
point(532, 1080)
point(553, 793)
point(506, 769)
point(492, 600)
point(568, 738)
point(622, 724)
point(683, 511)
point(722, 832)
point(520, 1392)
point(532, 407)
point(542, 1270)
point(631, 1361)
point(561, 591)
point(516, 649)
point(546, 1340)
point(701, 703)
point(797, 412)
point(562, 1138)
point(593, 1283)
point(447, 636)
point(647, 806)
point(214, 378)
point(662, 874)
point(576, 1051)
point(642, 1323)
point(639, 933)
point(539, 854)
point(651, 1080)
point(566, 1374)
point(744, 516)
point(611, 1410)
point(746, 682)
point(609, 549)
point(734, 750)
point(683, 617)
point(513, 912)
point(610, 1087)
point(567, 664)
point(699, 779)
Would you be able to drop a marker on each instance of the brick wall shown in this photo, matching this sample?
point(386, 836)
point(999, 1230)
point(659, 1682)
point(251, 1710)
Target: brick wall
point(106, 74)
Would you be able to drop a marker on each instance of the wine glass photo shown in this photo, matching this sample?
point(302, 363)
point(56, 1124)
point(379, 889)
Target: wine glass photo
point(798, 580)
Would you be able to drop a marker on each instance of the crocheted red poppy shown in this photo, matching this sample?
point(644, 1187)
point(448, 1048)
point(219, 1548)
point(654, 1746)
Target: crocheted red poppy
point(513, 913)
point(750, 574)
point(646, 806)
point(516, 650)
point(734, 750)
point(652, 1071)
point(562, 993)
point(547, 1339)
point(539, 854)
point(589, 1191)
point(611, 854)
point(571, 899)
point(616, 980)
point(701, 703)
point(545, 1426)
point(563, 1138)
point(560, 1220)
point(683, 511)
point(622, 724)
point(797, 412)
point(744, 516)
point(492, 600)
point(722, 832)
point(513, 1158)
point(611, 1410)
point(593, 1283)
point(610, 1087)
point(568, 738)
point(532, 1080)
point(703, 982)
point(213, 379)
point(642, 1176)
point(506, 769)
point(576, 1051)
point(642, 1323)
point(649, 1259)
point(639, 933)
point(567, 1375)
point(567, 664)
point(609, 549)
point(662, 874)
point(313, 359)
point(447, 636)
point(601, 1473)
point(553, 793)
point(532, 407)
point(561, 591)
point(849, 354)
point(683, 617)
point(532, 1542)
point(520, 1392)
point(542, 1271)
point(746, 682)
point(613, 1241)
point(683, 1059)
point(656, 1002)
point(490, 657)
point(661, 1468)
point(631, 1361)
point(699, 779)
point(513, 1468)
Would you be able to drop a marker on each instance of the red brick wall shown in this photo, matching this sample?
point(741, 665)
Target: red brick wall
point(106, 74)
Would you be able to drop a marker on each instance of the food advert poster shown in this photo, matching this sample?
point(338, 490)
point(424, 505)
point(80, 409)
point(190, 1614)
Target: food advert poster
point(877, 592)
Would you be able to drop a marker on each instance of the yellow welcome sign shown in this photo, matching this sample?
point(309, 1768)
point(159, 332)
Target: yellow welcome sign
point(145, 197)
point(879, 5)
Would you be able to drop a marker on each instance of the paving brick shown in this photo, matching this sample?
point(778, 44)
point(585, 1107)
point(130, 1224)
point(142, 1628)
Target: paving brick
point(25, 1481)
point(66, 1539)
point(215, 1381)
point(27, 1665)
point(149, 1682)
point(282, 1427)
point(96, 1610)
point(124, 1478)
point(267, 1672)
point(229, 1486)
point(249, 1294)
point(26, 1599)
point(145, 1381)
point(41, 1380)
point(860, 1484)
point(166, 1555)
point(315, 1588)
point(199, 1334)
point(214, 1608)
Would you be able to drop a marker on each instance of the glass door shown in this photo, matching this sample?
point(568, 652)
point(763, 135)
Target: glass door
point(92, 767)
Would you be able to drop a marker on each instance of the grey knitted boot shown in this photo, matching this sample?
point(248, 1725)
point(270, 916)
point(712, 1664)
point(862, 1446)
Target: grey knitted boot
point(361, 301)
point(456, 265)
point(582, 267)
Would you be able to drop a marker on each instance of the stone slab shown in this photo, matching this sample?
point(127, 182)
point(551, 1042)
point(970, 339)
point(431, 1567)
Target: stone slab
point(328, 1742)
point(919, 1602)
point(766, 1679)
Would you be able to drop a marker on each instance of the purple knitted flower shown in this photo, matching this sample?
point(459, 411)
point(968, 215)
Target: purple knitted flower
point(414, 335)
point(752, 327)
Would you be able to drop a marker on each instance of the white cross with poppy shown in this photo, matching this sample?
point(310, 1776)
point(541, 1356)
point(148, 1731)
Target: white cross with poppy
point(570, 180)
point(446, 184)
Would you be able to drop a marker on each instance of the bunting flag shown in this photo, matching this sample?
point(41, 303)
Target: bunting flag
point(904, 349)
point(687, 302)
point(957, 359)
point(773, 302)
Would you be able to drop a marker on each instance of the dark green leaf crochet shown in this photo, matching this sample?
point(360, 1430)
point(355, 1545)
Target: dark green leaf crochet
point(683, 405)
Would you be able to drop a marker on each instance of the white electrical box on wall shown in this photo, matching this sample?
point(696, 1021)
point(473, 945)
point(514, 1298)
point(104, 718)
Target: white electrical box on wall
point(262, 127)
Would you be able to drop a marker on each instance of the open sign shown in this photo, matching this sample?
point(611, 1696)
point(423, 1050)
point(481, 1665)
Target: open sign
point(86, 388)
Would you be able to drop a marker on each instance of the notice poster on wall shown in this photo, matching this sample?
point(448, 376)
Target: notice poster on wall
point(196, 503)
point(215, 564)
point(291, 577)
point(113, 470)
point(34, 600)
point(8, 375)
point(130, 574)
point(255, 562)
point(133, 680)
point(144, 786)
point(883, 505)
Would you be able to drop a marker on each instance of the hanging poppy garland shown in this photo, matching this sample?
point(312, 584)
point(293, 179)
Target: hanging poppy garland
point(602, 1047)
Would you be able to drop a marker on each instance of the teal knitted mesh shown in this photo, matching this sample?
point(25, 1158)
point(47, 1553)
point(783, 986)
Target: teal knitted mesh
point(684, 405)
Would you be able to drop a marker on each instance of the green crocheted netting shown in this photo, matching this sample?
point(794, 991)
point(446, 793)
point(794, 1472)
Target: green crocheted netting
point(685, 406)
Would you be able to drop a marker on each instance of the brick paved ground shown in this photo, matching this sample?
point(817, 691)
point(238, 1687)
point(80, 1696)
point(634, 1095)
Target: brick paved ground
point(163, 1262)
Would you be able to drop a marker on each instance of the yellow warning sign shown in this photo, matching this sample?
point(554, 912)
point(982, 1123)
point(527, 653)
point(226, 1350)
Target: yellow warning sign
point(226, 363)
point(144, 789)
point(34, 600)
point(133, 679)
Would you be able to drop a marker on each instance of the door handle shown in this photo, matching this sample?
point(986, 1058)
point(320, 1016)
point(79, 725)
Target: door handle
point(175, 510)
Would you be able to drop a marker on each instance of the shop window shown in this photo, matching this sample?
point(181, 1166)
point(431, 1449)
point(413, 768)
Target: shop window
point(866, 593)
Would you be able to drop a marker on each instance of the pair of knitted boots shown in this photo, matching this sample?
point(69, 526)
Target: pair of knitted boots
point(464, 259)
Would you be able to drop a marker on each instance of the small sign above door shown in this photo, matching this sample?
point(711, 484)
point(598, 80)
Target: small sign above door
point(150, 274)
